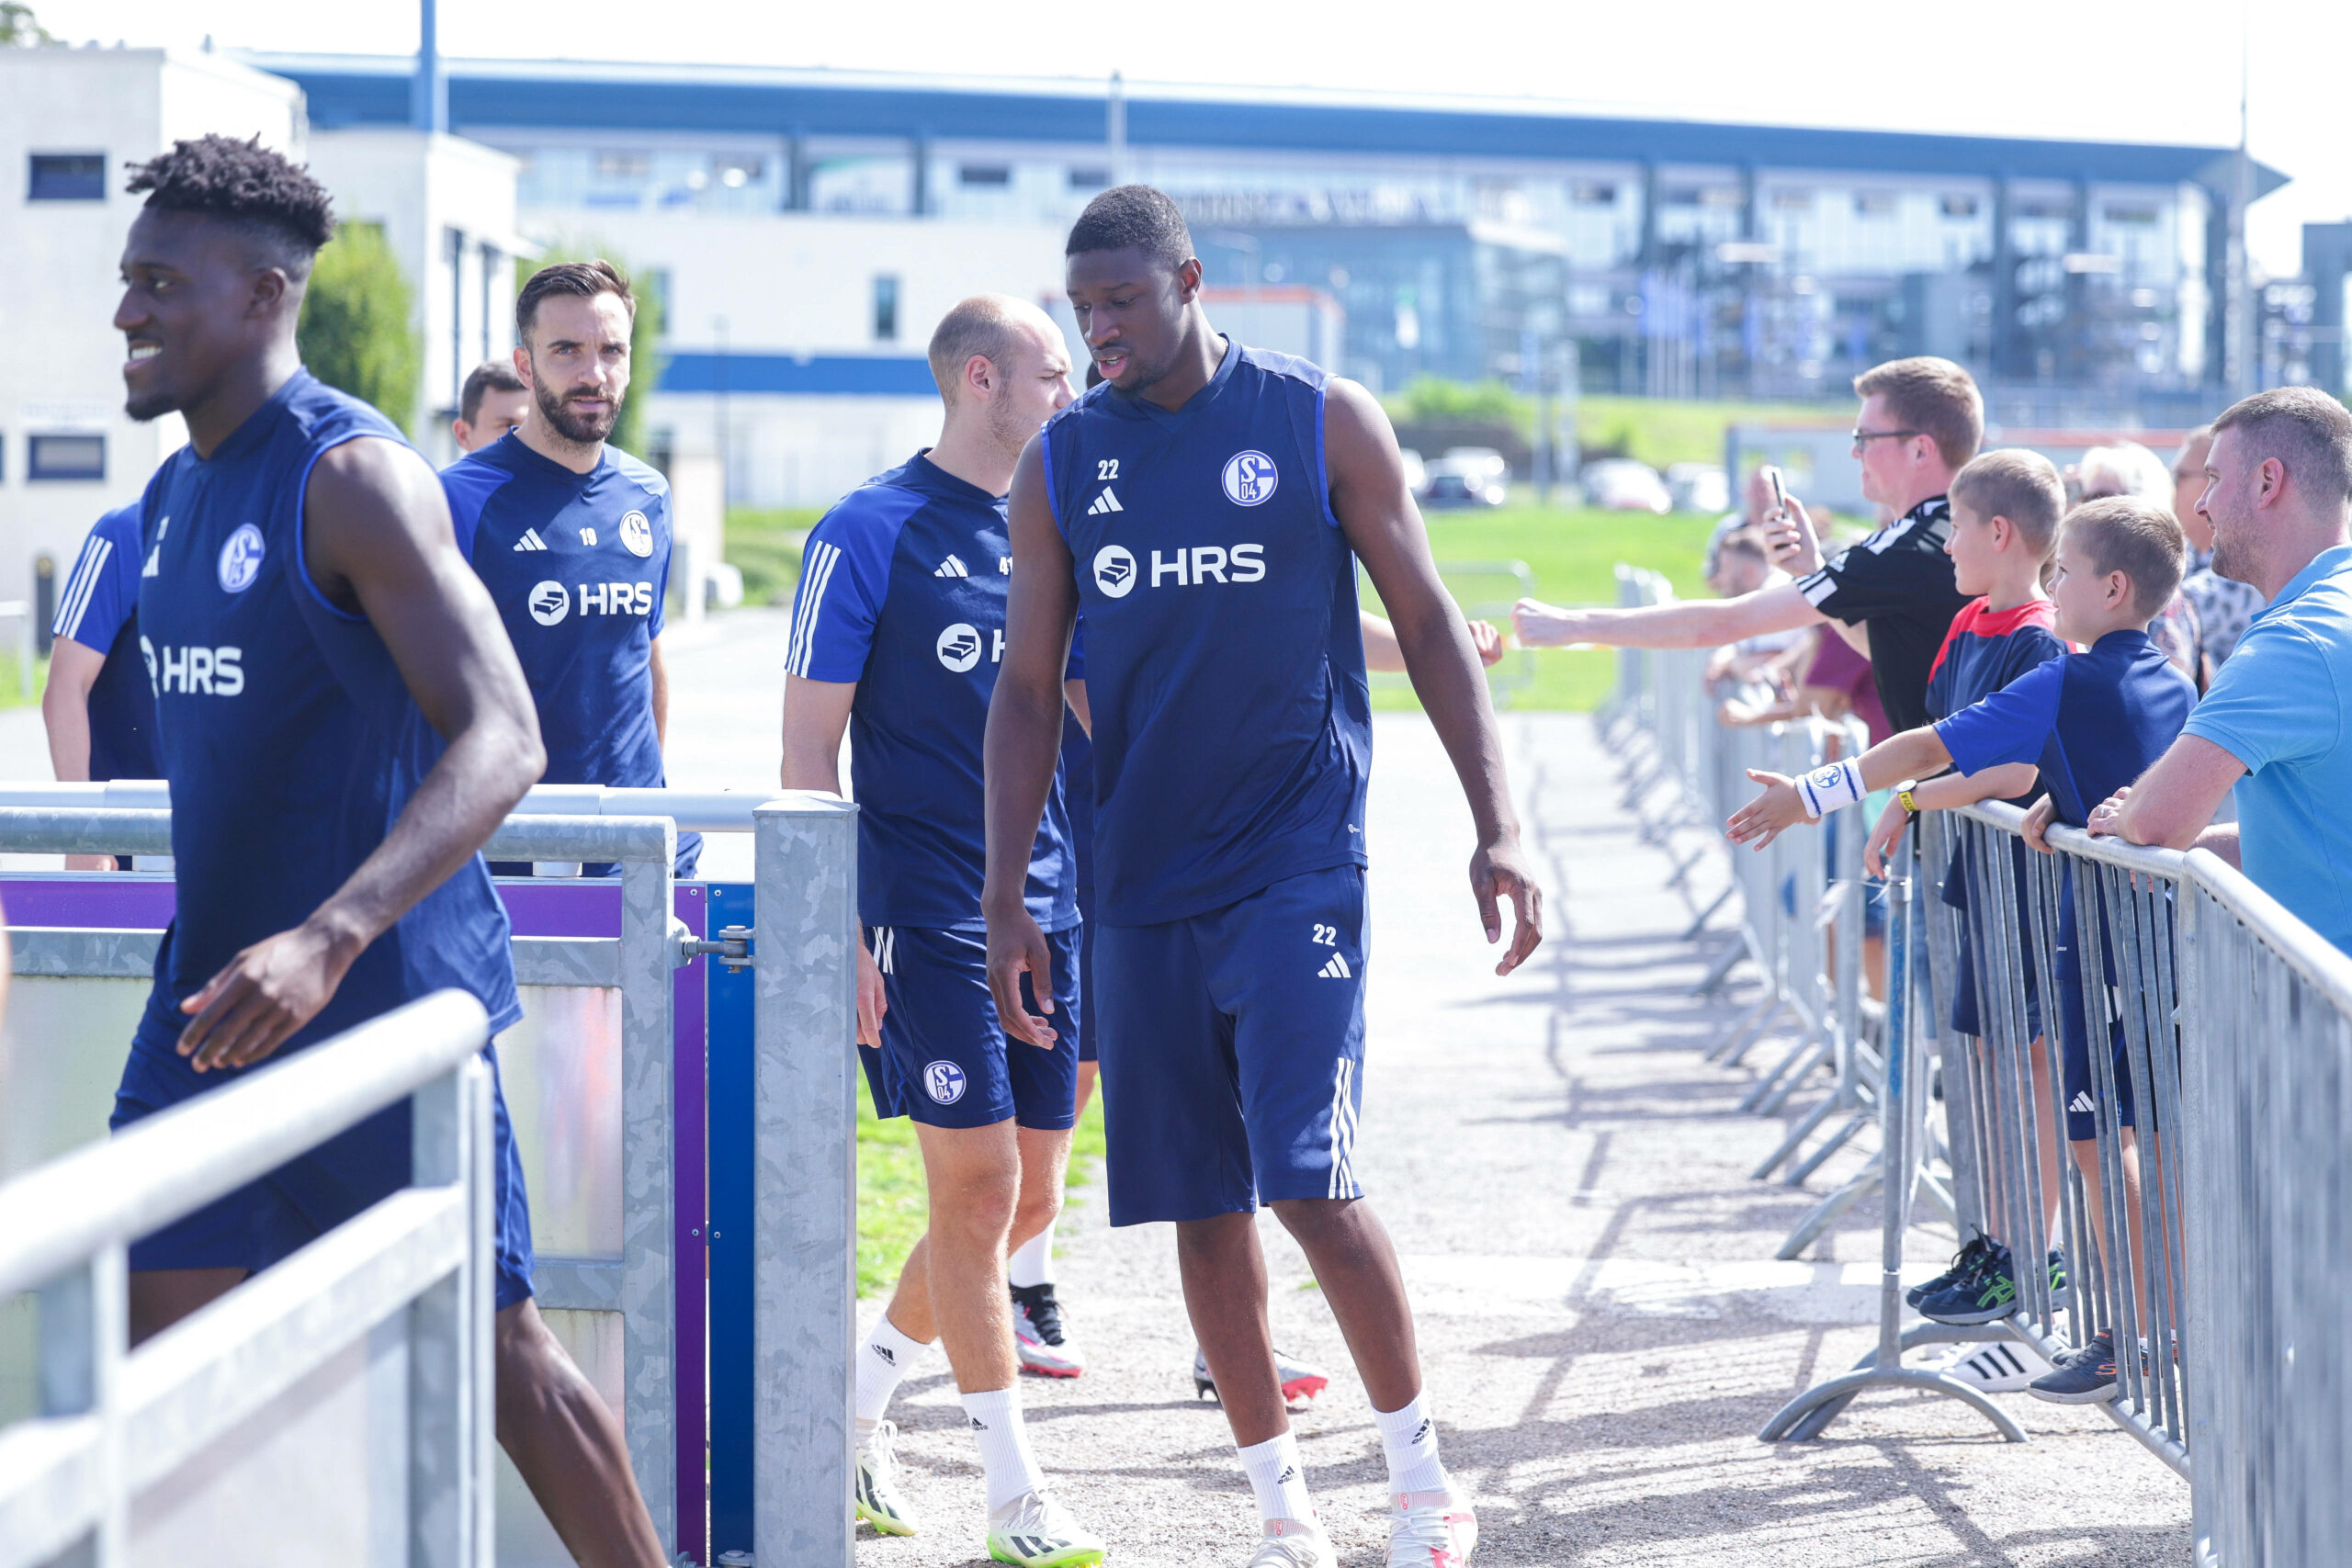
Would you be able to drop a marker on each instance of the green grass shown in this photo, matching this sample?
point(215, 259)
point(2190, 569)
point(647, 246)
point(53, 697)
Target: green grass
point(1659, 431)
point(891, 1206)
point(1572, 553)
point(12, 686)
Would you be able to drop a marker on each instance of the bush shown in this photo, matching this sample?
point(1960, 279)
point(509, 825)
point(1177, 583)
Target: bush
point(354, 334)
point(1431, 400)
point(644, 337)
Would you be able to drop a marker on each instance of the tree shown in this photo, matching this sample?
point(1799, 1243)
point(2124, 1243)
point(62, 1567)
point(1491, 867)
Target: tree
point(644, 338)
point(1430, 400)
point(355, 332)
point(19, 30)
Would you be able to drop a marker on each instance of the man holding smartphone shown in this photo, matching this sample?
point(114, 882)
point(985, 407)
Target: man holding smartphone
point(1892, 595)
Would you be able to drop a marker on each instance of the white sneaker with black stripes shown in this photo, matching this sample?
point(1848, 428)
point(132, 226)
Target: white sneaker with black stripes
point(2003, 1366)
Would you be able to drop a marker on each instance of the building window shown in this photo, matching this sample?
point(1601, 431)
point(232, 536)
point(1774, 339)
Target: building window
point(623, 165)
point(1959, 207)
point(1593, 192)
point(1875, 203)
point(2118, 212)
point(1089, 179)
point(1793, 198)
point(984, 175)
point(65, 458)
point(67, 176)
point(886, 308)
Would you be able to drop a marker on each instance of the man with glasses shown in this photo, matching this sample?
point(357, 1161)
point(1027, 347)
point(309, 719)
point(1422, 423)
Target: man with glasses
point(1892, 595)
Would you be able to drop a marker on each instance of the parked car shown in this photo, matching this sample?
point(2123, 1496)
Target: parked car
point(1417, 472)
point(1463, 482)
point(1699, 487)
point(1620, 484)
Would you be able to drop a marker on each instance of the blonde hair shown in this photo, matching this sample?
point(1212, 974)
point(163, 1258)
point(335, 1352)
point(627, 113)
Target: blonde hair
point(2125, 468)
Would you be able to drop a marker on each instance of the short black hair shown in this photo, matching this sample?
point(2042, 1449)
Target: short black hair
point(274, 201)
point(581, 280)
point(1133, 217)
point(490, 376)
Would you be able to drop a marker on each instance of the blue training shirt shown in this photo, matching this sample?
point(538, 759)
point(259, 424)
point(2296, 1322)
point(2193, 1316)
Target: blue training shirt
point(578, 565)
point(2278, 706)
point(2093, 721)
point(287, 731)
point(99, 609)
point(902, 591)
point(1224, 659)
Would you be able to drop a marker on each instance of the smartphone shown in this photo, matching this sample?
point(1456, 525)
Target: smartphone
point(1779, 493)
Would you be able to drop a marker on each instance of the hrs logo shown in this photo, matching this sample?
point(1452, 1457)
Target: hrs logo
point(1116, 573)
point(209, 672)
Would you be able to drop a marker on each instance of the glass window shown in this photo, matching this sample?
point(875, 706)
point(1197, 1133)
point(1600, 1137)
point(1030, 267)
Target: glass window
point(985, 174)
point(1089, 179)
point(67, 176)
point(886, 308)
point(65, 458)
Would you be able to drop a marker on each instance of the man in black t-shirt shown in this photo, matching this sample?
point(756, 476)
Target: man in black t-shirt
point(1892, 595)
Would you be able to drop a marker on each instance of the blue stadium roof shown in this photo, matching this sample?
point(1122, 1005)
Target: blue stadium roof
point(582, 95)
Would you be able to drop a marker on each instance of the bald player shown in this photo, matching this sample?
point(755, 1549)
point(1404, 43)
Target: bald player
point(898, 628)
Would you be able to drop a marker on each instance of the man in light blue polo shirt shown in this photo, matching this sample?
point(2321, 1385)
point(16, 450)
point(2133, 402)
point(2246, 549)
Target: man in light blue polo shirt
point(2274, 726)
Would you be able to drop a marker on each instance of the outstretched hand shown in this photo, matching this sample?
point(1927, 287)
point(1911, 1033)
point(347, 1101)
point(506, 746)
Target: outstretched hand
point(1763, 819)
point(1487, 642)
point(1017, 947)
point(1538, 625)
point(1499, 871)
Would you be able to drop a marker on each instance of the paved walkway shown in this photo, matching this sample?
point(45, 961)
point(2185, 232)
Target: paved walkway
point(1602, 1327)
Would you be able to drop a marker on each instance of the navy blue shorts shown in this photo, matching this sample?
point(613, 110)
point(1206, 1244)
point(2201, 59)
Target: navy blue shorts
point(266, 1220)
point(2080, 1086)
point(945, 1060)
point(1233, 1052)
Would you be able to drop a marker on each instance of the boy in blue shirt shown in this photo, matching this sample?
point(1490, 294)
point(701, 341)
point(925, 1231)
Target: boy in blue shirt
point(2091, 722)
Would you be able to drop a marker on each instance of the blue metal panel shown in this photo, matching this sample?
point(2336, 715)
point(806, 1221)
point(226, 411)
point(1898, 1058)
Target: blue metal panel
point(900, 376)
point(730, 1235)
point(486, 94)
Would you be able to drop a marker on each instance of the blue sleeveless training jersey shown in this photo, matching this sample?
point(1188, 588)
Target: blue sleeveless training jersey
point(902, 591)
point(1224, 659)
point(578, 565)
point(290, 739)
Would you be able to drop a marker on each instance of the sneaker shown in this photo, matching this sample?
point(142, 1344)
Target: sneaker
point(2003, 1367)
point(1035, 1531)
point(1987, 1295)
point(1301, 1382)
point(2084, 1377)
point(1963, 1263)
point(1431, 1529)
point(1038, 1336)
point(879, 1503)
point(2058, 1295)
point(1292, 1543)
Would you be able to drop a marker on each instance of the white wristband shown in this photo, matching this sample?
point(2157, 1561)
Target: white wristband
point(1829, 786)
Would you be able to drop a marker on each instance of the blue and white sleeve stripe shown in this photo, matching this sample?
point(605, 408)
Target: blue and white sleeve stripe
point(87, 573)
point(816, 577)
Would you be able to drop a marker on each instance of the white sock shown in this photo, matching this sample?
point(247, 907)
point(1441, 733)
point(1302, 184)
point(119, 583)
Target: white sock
point(1410, 1438)
point(885, 1358)
point(1003, 1438)
point(1279, 1480)
point(1033, 1261)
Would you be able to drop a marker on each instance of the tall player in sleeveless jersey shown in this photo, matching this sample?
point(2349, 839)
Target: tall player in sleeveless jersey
point(1204, 510)
point(342, 725)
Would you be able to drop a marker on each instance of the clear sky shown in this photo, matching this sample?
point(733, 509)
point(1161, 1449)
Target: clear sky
point(2154, 70)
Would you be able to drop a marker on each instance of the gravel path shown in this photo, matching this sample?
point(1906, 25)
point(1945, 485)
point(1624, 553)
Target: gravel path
point(1601, 1326)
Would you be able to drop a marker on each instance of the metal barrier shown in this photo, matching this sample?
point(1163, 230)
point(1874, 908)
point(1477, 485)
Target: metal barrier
point(351, 1374)
point(2210, 1244)
point(628, 1173)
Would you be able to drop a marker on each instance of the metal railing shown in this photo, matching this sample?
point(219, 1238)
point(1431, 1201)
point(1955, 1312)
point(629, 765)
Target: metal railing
point(376, 1338)
point(805, 1185)
point(2208, 1237)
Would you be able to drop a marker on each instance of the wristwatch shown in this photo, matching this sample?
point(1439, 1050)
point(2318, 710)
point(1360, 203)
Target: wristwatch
point(1902, 793)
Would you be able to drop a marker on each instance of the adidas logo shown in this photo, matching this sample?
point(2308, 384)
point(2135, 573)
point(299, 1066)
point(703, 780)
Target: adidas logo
point(2081, 1104)
point(1337, 969)
point(1420, 1433)
point(889, 1357)
point(1104, 502)
point(977, 1425)
point(952, 567)
point(1289, 1471)
point(530, 541)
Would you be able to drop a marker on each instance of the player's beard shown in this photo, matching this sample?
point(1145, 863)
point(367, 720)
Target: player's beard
point(579, 429)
